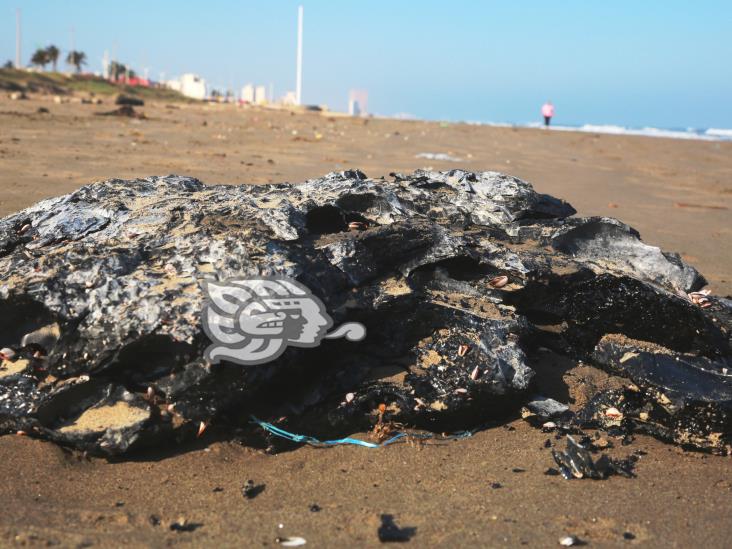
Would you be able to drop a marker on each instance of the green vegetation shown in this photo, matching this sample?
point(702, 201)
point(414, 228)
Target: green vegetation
point(52, 52)
point(40, 58)
point(77, 59)
point(63, 84)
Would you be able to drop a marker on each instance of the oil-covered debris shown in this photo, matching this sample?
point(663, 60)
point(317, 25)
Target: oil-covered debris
point(389, 531)
point(546, 408)
point(125, 110)
point(184, 525)
point(683, 398)
point(251, 490)
point(577, 462)
point(460, 278)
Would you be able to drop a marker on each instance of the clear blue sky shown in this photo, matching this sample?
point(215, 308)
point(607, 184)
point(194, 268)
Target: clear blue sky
point(638, 63)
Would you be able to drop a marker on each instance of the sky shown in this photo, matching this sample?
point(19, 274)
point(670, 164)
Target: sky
point(656, 63)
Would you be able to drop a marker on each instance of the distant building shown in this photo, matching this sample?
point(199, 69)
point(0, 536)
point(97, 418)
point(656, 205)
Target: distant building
point(252, 94)
point(247, 93)
point(358, 102)
point(190, 85)
point(289, 98)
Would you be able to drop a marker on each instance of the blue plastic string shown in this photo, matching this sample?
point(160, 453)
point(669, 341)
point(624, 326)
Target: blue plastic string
point(305, 439)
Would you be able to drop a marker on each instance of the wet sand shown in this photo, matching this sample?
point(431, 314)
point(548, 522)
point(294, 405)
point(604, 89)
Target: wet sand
point(678, 194)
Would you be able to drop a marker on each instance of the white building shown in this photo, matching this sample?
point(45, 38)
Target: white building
point(190, 85)
point(260, 94)
point(290, 98)
point(247, 93)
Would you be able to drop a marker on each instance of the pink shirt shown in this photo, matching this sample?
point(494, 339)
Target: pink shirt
point(547, 109)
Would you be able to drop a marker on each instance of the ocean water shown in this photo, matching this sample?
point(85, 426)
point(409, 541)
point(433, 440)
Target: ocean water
point(704, 134)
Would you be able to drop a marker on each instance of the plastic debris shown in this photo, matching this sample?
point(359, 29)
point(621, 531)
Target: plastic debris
point(398, 437)
point(438, 156)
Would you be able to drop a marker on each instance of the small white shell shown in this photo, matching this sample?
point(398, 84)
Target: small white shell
point(6, 353)
point(613, 413)
point(475, 374)
point(292, 541)
point(498, 281)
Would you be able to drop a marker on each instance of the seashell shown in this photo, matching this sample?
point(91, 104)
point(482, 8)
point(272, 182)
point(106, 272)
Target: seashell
point(498, 281)
point(475, 374)
point(24, 229)
point(45, 337)
point(350, 397)
point(357, 226)
point(291, 541)
point(201, 428)
point(463, 350)
point(613, 413)
point(6, 353)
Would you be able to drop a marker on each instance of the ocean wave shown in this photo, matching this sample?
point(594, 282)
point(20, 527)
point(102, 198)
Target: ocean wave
point(719, 132)
point(711, 134)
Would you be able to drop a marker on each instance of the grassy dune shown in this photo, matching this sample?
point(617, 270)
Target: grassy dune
point(64, 84)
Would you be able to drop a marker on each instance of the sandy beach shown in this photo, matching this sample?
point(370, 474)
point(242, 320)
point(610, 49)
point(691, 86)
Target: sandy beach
point(487, 490)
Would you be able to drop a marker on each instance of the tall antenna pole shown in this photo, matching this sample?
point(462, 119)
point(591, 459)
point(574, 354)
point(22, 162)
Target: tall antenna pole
point(18, 61)
point(298, 88)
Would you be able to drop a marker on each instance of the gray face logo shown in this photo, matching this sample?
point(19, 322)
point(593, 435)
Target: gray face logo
point(252, 321)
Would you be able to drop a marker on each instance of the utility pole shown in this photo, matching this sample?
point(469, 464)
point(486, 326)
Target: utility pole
point(18, 61)
point(298, 84)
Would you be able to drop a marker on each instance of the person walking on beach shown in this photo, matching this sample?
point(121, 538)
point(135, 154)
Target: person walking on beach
point(547, 111)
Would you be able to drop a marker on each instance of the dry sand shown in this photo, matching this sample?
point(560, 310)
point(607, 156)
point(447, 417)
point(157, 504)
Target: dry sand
point(678, 194)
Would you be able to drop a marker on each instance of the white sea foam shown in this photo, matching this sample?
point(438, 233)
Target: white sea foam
point(719, 132)
point(712, 134)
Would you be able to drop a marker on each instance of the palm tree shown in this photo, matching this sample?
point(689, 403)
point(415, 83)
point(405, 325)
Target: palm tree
point(116, 70)
point(52, 52)
point(77, 59)
point(40, 58)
